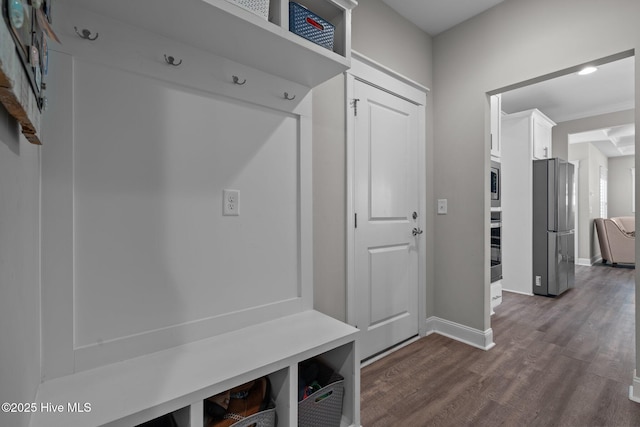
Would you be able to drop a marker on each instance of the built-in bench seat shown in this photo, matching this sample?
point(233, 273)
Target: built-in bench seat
point(136, 390)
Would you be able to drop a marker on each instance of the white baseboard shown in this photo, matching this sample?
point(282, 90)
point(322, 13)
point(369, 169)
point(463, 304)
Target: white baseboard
point(588, 261)
point(517, 292)
point(634, 388)
point(473, 337)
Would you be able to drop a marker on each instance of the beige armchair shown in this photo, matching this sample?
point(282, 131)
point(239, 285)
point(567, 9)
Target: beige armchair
point(617, 239)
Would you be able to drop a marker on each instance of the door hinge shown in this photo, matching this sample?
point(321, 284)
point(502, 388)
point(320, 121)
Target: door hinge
point(354, 104)
point(355, 220)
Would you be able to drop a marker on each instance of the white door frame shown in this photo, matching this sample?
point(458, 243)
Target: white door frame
point(576, 214)
point(368, 71)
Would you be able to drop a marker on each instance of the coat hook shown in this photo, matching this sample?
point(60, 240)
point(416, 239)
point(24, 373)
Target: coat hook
point(237, 81)
point(286, 96)
point(172, 61)
point(85, 34)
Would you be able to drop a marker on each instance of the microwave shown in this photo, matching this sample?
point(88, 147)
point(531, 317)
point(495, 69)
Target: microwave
point(495, 184)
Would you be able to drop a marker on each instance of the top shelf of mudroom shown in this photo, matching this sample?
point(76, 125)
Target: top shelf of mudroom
point(228, 30)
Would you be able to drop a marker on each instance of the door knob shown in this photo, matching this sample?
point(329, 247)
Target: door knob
point(416, 231)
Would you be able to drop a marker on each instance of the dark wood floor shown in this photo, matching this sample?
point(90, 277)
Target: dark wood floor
point(566, 361)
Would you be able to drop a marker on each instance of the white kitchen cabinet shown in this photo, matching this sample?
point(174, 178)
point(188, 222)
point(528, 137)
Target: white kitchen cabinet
point(496, 294)
point(496, 119)
point(534, 129)
point(541, 137)
point(526, 136)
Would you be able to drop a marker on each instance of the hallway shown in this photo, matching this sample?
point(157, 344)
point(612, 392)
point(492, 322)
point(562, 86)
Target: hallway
point(566, 361)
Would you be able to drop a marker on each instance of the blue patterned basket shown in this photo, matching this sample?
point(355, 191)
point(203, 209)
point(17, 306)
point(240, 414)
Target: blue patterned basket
point(307, 24)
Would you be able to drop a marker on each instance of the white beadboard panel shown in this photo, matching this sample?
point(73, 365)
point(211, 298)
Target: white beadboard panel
point(152, 249)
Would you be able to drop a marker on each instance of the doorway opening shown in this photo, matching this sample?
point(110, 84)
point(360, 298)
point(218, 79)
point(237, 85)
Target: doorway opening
point(592, 127)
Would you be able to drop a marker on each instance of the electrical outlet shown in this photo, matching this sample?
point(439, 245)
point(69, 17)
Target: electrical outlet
point(442, 206)
point(230, 202)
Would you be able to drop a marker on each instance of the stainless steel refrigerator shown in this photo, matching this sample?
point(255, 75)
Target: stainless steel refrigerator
point(553, 227)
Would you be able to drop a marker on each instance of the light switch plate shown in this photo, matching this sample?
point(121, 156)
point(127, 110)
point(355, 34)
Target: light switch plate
point(442, 206)
point(230, 202)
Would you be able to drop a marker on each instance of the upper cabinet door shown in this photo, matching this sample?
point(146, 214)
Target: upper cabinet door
point(542, 136)
point(496, 118)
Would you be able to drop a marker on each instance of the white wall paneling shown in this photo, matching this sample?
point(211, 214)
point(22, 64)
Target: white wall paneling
point(153, 263)
point(152, 250)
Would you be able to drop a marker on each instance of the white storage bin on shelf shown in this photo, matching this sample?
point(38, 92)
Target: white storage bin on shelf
point(259, 7)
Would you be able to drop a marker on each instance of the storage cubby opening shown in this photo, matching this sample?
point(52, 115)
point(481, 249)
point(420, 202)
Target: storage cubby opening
point(179, 418)
point(254, 402)
point(321, 392)
point(341, 360)
point(331, 13)
point(275, 12)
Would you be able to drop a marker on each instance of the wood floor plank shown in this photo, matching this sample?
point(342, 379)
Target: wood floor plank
point(565, 361)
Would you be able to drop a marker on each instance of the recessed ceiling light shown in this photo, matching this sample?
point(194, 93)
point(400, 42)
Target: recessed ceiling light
point(587, 70)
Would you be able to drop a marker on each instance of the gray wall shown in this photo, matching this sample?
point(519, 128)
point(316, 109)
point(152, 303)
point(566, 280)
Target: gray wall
point(562, 130)
point(384, 36)
point(516, 42)
point(591, 159)
point(620, 185)
point(19, 269)
point(329, 199)
point(589, 248)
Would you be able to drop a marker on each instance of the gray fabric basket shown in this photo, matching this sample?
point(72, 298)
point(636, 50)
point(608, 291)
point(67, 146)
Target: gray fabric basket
point(324, 407)
point(266, 418)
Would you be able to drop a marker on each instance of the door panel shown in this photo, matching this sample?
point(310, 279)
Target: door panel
point(386, 196)
point(388, 153)
point(390, 287)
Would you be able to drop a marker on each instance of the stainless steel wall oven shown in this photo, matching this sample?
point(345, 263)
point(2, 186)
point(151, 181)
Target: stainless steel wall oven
point(495, 184)
point(496, 245)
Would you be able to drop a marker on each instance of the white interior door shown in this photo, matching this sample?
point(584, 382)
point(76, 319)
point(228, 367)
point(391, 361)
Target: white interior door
point(387, 230)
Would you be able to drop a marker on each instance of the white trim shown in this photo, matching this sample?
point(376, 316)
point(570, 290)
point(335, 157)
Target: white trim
point(473, 337)
point(576, 216)
point(633, 190)
point(350, 304)
point(361, 59)
point(368, 71)
point(634, 388)
point(516, 292)
point(589, 261)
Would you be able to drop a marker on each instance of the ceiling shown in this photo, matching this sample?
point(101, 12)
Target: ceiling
point(571, 97)
point(436, 16)
point(612, 142)
point(565, 98)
